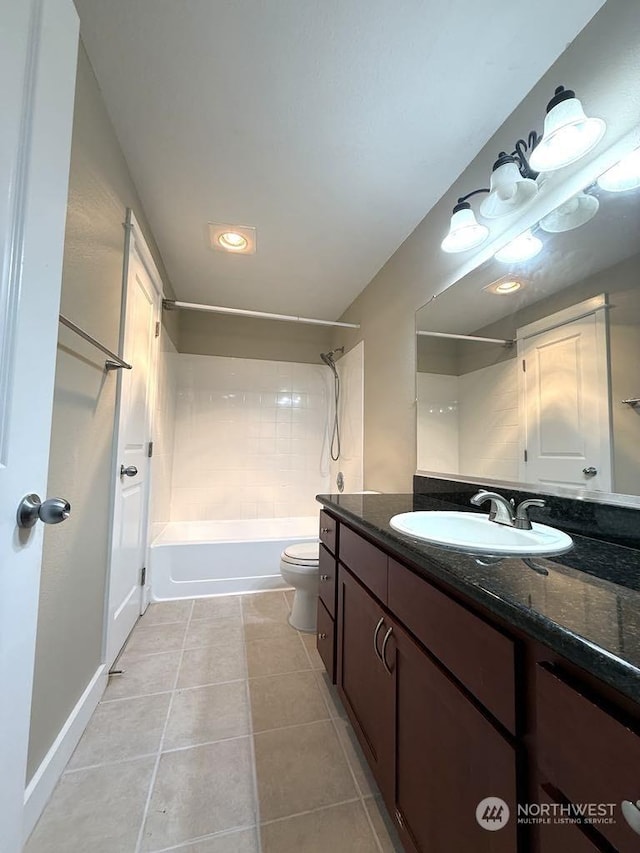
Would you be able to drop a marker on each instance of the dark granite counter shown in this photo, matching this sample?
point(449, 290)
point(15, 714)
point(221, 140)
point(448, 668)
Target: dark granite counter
point(592, 622)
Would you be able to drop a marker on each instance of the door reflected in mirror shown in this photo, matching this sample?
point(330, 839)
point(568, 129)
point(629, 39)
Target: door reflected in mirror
point(529, 370)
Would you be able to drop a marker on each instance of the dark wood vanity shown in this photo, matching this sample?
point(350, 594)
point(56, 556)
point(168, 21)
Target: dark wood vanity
point(452, 704)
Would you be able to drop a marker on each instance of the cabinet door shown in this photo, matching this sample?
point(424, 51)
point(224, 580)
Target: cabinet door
point(365, 686)
point(561, 837)
point(448, 759)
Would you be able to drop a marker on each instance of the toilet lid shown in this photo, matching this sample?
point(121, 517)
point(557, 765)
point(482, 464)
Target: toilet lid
point(304, 554)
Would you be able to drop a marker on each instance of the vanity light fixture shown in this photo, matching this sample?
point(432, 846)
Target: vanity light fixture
point(577, 211)
point(235, 239)
point(568, 133)
point(465, 232)
point(522, 248)
point(625, 175)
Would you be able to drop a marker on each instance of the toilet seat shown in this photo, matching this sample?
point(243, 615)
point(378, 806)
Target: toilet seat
point(305, 554)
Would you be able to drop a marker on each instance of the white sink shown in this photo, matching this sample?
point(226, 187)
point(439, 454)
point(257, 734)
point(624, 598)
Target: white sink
point(473, 533)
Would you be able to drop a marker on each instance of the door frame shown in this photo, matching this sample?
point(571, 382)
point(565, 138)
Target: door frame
point(598, 307)
point(135, 247)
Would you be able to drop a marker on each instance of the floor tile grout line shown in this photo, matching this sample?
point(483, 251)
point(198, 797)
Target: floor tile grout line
point(211, 836)
point(154, 772)
point(178, 689)
point(252, 743)
point(311, 811)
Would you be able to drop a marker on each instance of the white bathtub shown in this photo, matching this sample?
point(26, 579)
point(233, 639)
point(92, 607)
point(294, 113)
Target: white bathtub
point(195, 558)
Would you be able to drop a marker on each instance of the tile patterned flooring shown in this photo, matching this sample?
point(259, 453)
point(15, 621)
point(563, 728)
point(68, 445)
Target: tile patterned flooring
point(223, 735)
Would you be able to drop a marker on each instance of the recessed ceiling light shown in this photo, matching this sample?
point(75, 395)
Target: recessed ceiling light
point(236, 239)
point(504, 286)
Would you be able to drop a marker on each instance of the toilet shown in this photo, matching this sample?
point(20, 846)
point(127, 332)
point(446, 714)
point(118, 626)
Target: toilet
point(299, 568)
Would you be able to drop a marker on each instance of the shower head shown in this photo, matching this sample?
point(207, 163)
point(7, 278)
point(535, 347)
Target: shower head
point(328, 357)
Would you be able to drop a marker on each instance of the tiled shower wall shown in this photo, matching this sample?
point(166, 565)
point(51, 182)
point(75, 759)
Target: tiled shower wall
point(250, 438)
point(351, 419)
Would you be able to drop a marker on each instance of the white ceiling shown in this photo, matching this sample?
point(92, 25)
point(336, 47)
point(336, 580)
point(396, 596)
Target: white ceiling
point(333, 126)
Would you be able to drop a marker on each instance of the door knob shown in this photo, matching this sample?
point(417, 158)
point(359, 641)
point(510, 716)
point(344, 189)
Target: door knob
point(130, 471)
point(52, 511)
point(590, 471)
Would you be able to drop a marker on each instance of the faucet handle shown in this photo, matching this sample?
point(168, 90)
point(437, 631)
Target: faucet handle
point(522, 520)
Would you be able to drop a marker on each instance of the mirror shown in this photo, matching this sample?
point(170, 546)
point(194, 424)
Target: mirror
point(547, 394)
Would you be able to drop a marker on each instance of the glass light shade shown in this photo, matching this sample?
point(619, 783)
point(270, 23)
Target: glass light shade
point(572, 214)
point(568, 135)
point(522, 248)
point(465, 232)
point(509, 192)
point(625, 175)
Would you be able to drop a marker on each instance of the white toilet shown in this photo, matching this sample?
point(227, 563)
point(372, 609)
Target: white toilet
point(299, 568)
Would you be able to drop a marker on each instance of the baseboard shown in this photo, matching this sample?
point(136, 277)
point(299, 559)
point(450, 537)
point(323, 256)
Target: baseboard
point(50, 770)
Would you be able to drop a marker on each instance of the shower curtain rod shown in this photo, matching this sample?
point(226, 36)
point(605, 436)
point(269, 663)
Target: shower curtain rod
point(172, 304)
point(507, 343)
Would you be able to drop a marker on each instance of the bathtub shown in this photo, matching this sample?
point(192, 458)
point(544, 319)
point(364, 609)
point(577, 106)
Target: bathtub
point(195, 558)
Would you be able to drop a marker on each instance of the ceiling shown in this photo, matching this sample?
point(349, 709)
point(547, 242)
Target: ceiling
point(332, 126)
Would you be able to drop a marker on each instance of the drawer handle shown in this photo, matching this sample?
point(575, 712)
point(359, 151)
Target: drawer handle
point(324, 577)
point(631, 814)
point(383, 655)
point(375, 638)
point(322, 636)
point(325, 530)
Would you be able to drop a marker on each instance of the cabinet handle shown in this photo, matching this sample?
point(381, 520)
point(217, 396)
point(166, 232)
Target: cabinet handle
point(325, 530)
point(375, 638)
point(324, 577)
point(322, 636)
point(383, 655)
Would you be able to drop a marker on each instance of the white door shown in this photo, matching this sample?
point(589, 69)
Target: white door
point(38, 47)
point(566, 407)
point(143, 303)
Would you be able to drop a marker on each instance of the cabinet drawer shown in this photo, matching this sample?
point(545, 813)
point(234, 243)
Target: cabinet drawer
point(325, 640)
point(479, 656)
point(561, 837)
point(365, 561)
point(587, 754)
point(327, 580)
point(328, 531)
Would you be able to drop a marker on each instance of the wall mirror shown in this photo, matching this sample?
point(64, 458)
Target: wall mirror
point(529, 370)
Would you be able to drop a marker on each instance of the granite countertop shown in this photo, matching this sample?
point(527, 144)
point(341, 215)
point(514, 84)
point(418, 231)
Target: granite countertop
point(592, 622)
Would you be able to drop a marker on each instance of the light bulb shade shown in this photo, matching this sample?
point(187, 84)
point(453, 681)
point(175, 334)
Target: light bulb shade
point(625, 175)
point(522, 248)
point(509, 190)
point(572, 214)
point(568, 133)
point(465, 232)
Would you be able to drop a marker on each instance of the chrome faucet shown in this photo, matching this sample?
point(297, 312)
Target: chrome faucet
point(522, 520)
point(504, 511)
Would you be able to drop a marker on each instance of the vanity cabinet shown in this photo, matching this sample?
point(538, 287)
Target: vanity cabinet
point(434, 755)
point(452, 705)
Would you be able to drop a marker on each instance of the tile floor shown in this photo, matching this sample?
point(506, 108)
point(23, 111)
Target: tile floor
point(223, 735)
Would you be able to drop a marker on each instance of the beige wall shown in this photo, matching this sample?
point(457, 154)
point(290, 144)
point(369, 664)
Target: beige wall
point(602, 65)
point(70, 620)
point(245, 337)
